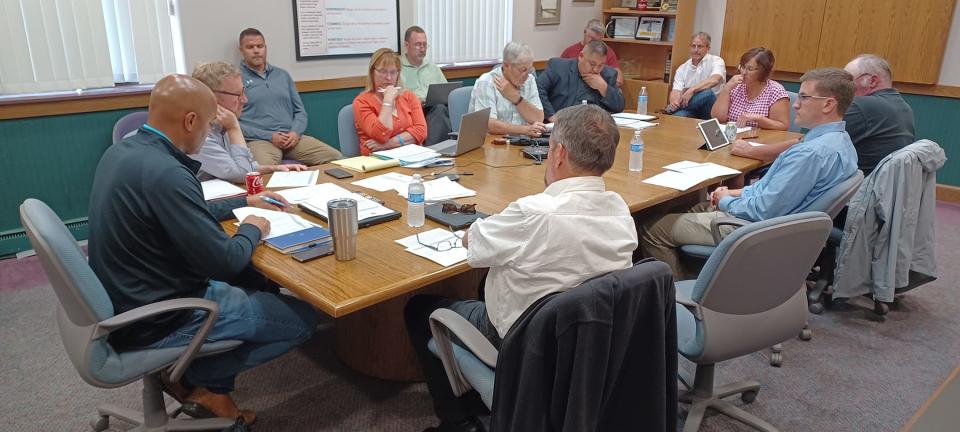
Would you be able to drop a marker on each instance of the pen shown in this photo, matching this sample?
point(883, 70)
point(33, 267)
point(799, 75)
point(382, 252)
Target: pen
point(269, 200)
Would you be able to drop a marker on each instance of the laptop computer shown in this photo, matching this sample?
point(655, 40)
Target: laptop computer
point(437, 94)
point(473, 130)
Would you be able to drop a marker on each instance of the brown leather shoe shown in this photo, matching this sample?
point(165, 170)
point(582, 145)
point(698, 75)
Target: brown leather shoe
point(176, 390)
point(204, 404)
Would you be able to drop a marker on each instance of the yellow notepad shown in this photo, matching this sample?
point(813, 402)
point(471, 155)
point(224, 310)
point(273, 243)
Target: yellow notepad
point(367, 163)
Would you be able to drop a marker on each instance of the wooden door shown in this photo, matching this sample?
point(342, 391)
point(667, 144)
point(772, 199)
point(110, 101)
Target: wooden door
point(790, 28)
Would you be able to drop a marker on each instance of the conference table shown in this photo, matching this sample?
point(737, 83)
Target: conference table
point(366, 295)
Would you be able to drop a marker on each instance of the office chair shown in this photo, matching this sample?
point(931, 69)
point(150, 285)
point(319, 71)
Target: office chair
point(458, 103)
point(85, 318)
point(642, 299)
point(750, 295)
point(347, 130)
point(127, 124)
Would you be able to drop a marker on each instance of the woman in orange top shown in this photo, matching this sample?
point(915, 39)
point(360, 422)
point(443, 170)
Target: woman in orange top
point(387, 116)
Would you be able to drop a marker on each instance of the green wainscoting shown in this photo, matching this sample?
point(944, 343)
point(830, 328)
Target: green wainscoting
point(53, 158)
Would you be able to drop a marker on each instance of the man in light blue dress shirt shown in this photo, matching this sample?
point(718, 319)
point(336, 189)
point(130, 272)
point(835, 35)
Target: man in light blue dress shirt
point(823, 159)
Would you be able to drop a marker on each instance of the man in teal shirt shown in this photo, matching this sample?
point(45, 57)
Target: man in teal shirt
point(416, 75)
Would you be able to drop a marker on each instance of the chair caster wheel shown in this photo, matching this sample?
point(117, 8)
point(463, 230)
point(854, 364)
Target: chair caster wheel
point(101, 424)
point(806, 334)
point(815, 308)
point(749, 396)
point(776, 359)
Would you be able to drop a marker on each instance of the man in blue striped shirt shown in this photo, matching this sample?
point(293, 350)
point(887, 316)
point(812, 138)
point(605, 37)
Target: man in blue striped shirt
point(823, 159)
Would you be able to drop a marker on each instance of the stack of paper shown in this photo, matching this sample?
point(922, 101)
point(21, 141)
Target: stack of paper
point(686, 174)
point(216, 189)
point(280, 223)
point(631, 123)
point(434, 237)
point(366, 163)
point(441, 189)
point(282, 179)
point(384, 182)
point(632, 116)
point(409, 154)
point(316, 198)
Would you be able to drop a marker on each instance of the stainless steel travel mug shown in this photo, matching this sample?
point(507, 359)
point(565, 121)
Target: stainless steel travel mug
point(342, 216)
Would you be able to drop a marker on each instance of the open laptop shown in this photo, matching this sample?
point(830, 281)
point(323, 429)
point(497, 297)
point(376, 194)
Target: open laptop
point(713, 134)
point(473, 130)
point(437, 94)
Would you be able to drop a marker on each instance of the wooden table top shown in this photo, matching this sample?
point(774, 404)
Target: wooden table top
point(383, 269)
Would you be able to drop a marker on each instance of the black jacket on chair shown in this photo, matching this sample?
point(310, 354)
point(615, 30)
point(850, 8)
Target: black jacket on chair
point(599, 357)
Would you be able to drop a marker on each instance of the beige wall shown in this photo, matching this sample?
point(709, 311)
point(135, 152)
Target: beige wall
point(210, 28)
point(710, 13)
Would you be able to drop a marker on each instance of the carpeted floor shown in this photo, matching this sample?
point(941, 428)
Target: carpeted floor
point(857, 374)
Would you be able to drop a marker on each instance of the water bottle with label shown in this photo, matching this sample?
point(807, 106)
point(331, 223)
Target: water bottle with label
point(415, 195)
point(642, 101)
point(636, 152)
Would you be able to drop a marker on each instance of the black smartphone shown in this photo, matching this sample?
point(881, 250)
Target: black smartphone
point(338, 173)
point(314, 252)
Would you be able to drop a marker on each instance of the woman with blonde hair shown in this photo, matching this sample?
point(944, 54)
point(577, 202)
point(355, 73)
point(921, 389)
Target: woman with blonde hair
point(385, 115)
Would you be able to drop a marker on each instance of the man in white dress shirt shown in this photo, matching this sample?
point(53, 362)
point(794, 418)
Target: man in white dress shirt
point(698, 81)
point(539, 244)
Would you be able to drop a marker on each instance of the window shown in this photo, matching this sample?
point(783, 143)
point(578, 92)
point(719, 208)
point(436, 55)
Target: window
point(57, 45)
point(452, 28)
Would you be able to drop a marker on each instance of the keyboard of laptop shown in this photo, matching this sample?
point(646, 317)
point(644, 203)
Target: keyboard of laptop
point(444, 147)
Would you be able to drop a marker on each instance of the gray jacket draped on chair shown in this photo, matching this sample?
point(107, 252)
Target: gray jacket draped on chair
point(888, 240)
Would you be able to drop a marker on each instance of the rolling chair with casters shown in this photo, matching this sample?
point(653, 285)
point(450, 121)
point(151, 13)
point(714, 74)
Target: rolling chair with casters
point(458, 103)
point(85, 317)
point(728, 311)
point(127, 124)
point(347, 131)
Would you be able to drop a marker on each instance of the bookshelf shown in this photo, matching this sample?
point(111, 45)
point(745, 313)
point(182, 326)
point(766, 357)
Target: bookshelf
point(651, 63)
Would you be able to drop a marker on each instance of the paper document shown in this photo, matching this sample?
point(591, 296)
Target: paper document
point(675, 180)
point(280, 223)
point(407, 154)
point(440, 189)
point(385, 182)
point(216, 189)
point(318, 196)
point(429, 163)
point(633, 116)
point(634, 124)
point(743, 129)
point(366, 163)
point(438, 238)
point(705, 170)
point(281, 179)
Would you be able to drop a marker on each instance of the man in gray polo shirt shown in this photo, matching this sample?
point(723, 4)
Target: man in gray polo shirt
point(274, 119)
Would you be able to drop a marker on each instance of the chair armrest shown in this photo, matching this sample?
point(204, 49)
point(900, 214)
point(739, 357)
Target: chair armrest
point(718, 222)
point(443, 322)
point(177, 369)
point(684, 299)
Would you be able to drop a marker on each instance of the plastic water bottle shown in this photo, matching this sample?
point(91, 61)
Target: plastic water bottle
point(636, 152)
point(642, 101)
point(415, 194)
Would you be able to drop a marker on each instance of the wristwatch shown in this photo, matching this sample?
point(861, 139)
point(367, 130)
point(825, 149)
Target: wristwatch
point(518, 101)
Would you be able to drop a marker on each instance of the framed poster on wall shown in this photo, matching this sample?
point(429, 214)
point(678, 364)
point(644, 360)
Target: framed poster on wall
point(345, 28)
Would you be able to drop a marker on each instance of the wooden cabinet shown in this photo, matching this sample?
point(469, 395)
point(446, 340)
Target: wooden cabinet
point(803, 35)
point(645, 63)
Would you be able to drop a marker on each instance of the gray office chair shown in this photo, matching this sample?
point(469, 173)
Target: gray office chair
point(458, 103)
point(750, 295)
point(127, 124)
point(793, 113)
point(347, 130)
point(85, 317)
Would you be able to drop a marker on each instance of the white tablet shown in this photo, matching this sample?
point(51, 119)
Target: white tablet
point(713, 134)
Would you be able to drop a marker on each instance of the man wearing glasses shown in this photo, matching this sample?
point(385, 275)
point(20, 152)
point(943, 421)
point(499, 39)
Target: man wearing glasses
point(540, 244)
point(823, 159)
point(510, 91)
point(568, 82)
point(698, 81)
point(416, 75)
point(274, 119)
point(879, 121)
point(225, 154)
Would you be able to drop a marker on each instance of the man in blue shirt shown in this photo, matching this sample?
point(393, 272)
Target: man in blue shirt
point(274, 119)
point(823, 159)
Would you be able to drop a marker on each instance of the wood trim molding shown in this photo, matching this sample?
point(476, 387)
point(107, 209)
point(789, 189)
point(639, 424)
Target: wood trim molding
point(905, 88)
point(139, 99)
point(948, 194)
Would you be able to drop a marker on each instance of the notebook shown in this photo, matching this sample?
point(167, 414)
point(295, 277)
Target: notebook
point(456, 221)
point(298, 240)
point(366, 163)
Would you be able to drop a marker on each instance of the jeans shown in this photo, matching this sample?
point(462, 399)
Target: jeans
point(448, 407)
point(268, 324)
point(699, 106)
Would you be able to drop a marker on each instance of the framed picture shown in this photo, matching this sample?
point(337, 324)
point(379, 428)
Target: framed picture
point(632, 4)
point(650, 28)
point(624, 27)
point(548, 12)
point(583, 1)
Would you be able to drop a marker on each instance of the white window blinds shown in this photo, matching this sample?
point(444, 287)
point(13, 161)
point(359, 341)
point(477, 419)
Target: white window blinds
point(140, 36)
point(452, 28)
point(52, 45)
